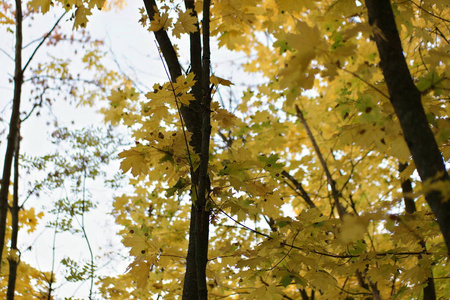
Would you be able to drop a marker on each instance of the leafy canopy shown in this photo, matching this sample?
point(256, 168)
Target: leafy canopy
point(276, 231)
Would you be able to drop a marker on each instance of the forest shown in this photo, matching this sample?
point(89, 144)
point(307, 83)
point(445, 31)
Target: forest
point(309, 164)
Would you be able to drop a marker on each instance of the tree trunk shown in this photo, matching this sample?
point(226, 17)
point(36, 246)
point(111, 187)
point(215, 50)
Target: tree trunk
point(14, 261)
point(196, 117)
point(190, 287)
point(13, 134)
point(406, 100)
point(429, 292)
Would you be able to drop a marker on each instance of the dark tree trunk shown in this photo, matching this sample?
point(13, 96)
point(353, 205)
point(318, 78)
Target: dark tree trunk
point(407, 190)
point(13, 134)
point(196, 117)
point(14, 262)
point(429, 292)
point(190, 287)
point(406, 100)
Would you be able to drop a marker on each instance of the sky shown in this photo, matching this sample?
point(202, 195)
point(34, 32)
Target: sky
point(130, 48)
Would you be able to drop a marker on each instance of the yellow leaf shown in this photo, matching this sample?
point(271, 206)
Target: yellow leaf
point(266, 292)
point(353, 228)
point(99, 3)
point(400, 149)
point(134, 160)
point(161, 94)
point(185, 23)
point(160, 21)
point(14, 255)
point(225, 118)
point(137, 244)
point(140, 270)
point(293, 5)
point(81, 17)
point(5, 20)
point(43, 5)
point(217, 80)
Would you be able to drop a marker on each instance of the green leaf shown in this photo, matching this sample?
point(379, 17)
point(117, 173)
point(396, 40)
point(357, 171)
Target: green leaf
point(430, 81)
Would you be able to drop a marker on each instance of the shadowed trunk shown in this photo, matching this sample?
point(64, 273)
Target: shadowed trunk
point(13, 134)
point(14, 261)
point(406, 100)
point(429, 292)
point(196, 117)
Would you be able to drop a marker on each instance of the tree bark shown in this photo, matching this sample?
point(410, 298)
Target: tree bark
point(14, 262)
point(204, 186)
point(406, 100)
point(189, 113)
point(196, 117)
point(407, 190)
point(429, 292)
point(13, 134)
point(190, 287)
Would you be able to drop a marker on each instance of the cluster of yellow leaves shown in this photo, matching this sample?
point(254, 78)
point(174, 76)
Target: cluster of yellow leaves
point(120, 105)
point(4, 19)
point(287, 244)
point(30, 282)
point(82, 9)
point(185, 23)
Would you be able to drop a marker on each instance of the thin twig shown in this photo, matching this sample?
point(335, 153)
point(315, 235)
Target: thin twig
point(368, 83)
point(334, 191)
point(430, 13)
point(299, 188)
point(42, 42)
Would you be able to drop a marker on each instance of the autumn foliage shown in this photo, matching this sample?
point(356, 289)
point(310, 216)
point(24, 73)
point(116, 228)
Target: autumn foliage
point(311, 190)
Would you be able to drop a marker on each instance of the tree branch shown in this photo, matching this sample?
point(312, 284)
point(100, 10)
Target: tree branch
point(299, 187)
point(42, 42)
point(334, 191)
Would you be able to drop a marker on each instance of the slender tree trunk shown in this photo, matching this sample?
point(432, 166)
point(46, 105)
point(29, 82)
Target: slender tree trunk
point(202, 211)
point(196, 117)
point(407, 190)
point(406, 100)
point(13, 128)
point(14, 261)
point(429, 292)
point(190, 287)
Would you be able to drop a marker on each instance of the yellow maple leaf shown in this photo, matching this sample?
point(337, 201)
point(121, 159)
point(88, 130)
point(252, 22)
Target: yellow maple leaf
point(182, 87)
point(30, 219)
point(293, 5)
point(225, 118)
point(185, 23)
point(81, 19)
point(43, 5)
point(161, 94)
point(99, 3)
point(217, 80)
point(232, 39)
point(353, 228)
point(160, 21)
point(134, 160)
point(140, 269)
point(137, 244)
point(400, 149)
point(14, 255)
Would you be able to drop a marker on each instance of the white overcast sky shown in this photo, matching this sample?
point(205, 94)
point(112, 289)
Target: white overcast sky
point(136, 53)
